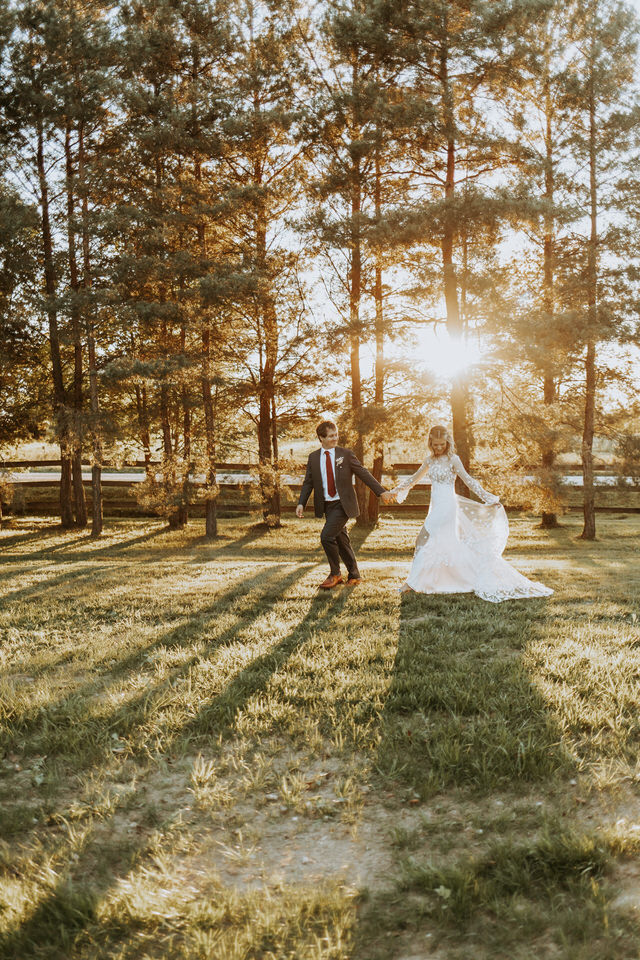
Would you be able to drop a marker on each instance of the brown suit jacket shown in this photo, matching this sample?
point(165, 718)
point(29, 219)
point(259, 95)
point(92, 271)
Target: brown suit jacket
point(347, 465)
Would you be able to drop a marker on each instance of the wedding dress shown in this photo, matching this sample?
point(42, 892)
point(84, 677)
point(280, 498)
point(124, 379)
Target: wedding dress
point(459, 548)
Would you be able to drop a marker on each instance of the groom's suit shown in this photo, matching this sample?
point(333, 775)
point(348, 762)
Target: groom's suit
point(334, 537)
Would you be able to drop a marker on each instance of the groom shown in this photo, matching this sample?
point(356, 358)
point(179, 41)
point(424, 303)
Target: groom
point(329, 474)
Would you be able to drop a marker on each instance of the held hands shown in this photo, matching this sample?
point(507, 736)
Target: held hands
point(388, 497)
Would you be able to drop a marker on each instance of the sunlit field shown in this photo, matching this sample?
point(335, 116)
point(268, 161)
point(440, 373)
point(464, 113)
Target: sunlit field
point(203, 756)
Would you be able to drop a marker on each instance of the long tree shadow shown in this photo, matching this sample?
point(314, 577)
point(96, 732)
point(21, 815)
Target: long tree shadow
point(66, 910)
point(69, 908)
point(55, 551)
point(62, 714)
point(461, 709)
point(18, 541)
point(65, 721)
point(87, 573)
point(219, 715)
point(92, 572)
point(265, 545)
point(255, 532)
point(28, 536)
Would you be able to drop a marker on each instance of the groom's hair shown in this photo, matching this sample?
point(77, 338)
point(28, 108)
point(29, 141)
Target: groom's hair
point(323, 428)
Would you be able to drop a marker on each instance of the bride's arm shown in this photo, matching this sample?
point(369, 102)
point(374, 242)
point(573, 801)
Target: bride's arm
point(472, 483)
point(400, 492)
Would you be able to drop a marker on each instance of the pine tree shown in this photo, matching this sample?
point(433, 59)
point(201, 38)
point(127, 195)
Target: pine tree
point(461, 56)
point(175, 271)
point(541, 332)
point(264, 164)
point(145, 173)
point(86, 56)
point(604, 107)
point(360, 118)
point(23, 360)
point(31, 108)
point(54, 103)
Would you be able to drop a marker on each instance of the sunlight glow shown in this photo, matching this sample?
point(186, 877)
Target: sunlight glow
point(447, 356)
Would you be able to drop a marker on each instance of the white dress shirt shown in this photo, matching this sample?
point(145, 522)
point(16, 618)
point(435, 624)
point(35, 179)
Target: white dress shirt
point(323, 471)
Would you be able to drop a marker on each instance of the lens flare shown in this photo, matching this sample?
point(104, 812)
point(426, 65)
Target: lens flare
point(448, 356)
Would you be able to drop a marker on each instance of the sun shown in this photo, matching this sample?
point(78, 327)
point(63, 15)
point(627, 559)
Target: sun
point(448, 356)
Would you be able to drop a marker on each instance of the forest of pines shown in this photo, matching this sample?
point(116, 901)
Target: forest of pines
point(221, 220)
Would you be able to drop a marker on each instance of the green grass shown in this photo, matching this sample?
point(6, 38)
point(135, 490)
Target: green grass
point(203, 756)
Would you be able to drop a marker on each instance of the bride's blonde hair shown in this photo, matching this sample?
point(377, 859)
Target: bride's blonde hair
point(439, 432)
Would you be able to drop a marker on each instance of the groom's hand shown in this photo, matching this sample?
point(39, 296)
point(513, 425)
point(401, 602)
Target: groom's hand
point(299, 511)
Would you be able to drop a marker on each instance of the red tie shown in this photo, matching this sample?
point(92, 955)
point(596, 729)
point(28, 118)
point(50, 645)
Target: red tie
point(331, 483)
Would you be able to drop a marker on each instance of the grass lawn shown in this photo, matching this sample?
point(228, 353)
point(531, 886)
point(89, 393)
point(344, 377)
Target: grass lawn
point(204, 757)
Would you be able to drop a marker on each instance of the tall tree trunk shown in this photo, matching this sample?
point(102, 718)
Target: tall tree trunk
point(94, 402)
point(355, 292)
point(186, 438)
point(96, 465)
point(274, 429)
point(143, 422)
point(142, 410)
point(59, 392)
point(454, 324)
point(211, 501)
point(168, 454)
point(464, 332)
point(378, 443)
point(589, 528)
point(355, 295)
point(549, 519)
point(268, 465)
point(78, 487)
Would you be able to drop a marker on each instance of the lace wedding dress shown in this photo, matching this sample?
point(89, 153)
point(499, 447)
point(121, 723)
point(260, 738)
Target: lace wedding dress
point(459, 548)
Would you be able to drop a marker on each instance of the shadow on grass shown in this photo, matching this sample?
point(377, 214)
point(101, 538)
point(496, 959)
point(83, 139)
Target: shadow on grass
point(100, 550)
point(219, 716)
point(69, 906)
point(87, 573)
point(46, 534)
point(539, 896)
point(257, 542)
point(65, 726)
point(99, 576)
point(66, 910)
point(461, 709)
point(69, 910)
point(255, 532)
point(22, 536)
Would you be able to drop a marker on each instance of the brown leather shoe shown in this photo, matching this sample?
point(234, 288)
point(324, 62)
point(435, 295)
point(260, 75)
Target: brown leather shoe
point(331, 581)
point(354, 581)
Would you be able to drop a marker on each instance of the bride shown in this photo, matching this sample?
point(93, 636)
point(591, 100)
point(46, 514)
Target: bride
point(459, 548)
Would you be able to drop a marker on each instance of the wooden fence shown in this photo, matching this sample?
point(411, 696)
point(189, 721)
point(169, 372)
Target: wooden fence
point(40, 496)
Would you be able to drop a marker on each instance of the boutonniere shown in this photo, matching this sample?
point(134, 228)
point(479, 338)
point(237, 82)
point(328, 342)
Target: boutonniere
point(339, 461)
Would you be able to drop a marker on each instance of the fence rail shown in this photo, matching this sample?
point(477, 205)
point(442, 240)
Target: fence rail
point(244, 467)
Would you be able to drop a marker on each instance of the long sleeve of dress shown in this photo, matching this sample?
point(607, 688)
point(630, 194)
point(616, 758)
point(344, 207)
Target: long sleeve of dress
point(472, 483)
point(402, 490)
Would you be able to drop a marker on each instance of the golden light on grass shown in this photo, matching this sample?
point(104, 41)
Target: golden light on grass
point(189, 753)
